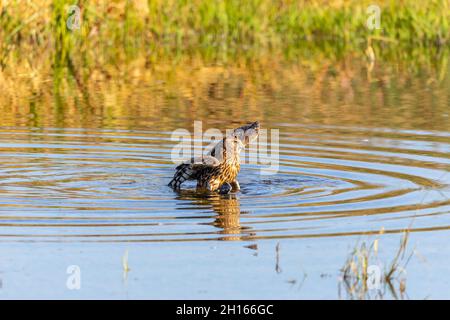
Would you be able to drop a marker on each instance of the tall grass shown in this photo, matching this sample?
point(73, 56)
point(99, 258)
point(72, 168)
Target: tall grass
point(215, 26)
point(355, 272)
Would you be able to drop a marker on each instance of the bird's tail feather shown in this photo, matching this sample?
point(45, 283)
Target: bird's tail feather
point(184, 172)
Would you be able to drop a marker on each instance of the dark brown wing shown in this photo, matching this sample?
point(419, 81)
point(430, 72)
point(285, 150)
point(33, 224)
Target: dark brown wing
point(189, 170)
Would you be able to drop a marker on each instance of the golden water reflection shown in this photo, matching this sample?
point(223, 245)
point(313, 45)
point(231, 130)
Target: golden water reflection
point(227, 208)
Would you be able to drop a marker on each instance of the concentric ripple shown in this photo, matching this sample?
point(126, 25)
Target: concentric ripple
point(110, 185)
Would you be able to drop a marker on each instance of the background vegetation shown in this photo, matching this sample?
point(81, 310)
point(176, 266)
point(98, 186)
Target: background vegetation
point(217, 28)
point(187, 52)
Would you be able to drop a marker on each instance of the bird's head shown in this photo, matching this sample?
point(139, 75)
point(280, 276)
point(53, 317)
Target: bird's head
point(232, 146)
point(248, 133)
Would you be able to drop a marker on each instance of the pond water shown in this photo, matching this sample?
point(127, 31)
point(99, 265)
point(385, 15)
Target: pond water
point(83, 181)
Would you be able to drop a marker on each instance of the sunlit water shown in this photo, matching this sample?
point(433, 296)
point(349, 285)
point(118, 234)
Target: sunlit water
point(83, 195)
point(107, 185)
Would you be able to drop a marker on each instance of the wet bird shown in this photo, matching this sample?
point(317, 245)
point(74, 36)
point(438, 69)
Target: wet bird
point(218, 170)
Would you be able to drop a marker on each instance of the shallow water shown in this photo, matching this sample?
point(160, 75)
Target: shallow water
point(80, 187)
point(104, 185)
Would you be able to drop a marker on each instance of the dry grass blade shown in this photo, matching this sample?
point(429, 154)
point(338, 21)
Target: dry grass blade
point(357, 272)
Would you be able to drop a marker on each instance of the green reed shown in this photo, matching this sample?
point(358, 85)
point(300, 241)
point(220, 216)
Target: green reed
point(218, 26)
point(355, 272)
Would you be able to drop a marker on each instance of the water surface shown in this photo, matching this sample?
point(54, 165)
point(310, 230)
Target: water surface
point(84, 179)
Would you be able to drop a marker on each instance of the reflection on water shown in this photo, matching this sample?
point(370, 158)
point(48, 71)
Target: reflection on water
point(226, 207)
point(355, 155)
point(87, 161)
point(106, 185)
